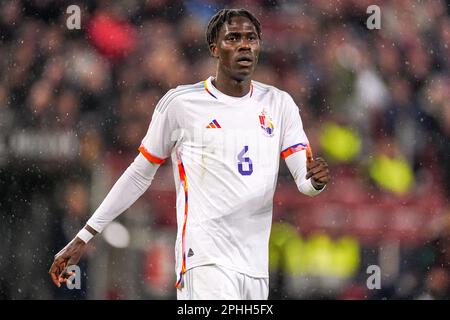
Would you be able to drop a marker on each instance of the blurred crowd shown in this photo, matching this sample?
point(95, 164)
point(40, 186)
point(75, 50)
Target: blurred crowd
point(75, 104)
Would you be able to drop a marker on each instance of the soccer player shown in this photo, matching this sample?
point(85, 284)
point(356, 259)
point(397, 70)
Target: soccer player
point(225, 136)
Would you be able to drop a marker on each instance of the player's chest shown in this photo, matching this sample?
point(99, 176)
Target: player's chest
point(248, 132)
point(259, 121)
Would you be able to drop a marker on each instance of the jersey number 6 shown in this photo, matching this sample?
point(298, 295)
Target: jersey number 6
point(248, 169)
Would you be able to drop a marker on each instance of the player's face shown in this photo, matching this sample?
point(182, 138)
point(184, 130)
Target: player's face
point(237, 48)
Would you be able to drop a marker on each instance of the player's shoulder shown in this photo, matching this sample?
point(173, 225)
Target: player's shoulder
point(263, 88)
point(280, 97)
point(176, 95)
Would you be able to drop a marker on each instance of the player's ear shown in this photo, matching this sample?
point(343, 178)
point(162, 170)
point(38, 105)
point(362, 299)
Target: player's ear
point(213, 50)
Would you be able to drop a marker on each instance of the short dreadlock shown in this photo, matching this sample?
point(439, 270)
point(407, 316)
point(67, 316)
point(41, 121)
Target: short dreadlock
point(225, 15)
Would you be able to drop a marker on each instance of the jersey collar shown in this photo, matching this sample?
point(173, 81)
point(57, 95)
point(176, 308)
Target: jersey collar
point(215, 93)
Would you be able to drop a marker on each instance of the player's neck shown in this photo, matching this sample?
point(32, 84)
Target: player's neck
point(231, 87)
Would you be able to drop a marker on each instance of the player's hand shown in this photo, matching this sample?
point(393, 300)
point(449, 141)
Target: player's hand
point(317, 170)
point(69, 255)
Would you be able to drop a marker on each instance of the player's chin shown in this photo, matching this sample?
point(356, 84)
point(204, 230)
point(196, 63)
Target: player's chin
point(243, 73)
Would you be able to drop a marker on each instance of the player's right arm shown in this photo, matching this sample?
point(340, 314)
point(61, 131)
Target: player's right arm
point(128, 188)
point(155, 148)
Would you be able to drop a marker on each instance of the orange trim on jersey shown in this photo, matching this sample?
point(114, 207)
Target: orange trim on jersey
point(183, 180)
point(293, 149)
point(149, 156)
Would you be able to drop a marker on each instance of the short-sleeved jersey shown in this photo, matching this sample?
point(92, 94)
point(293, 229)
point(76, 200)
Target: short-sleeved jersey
point(225, 152)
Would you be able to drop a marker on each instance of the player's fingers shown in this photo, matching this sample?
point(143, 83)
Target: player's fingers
point(311, 170)
point(56, 266)
point(62, 269)
point(65, 276)
point(315, 170)
point(317, 162)
point(55, 280)
point(65, 273)
point(55, 271)
point(313, 164)
point(54, 275)
point(320, 163)
point(322, 177)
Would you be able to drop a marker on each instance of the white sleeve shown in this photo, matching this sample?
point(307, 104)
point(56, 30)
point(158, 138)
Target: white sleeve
point(163, 131)
point(294, 138)
point(296, 164)
point(130, 186)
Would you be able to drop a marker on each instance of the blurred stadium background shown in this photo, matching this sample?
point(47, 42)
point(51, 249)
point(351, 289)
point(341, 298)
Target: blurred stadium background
point(75, 104)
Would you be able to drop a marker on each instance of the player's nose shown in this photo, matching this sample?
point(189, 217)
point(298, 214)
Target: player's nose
point(244, 46)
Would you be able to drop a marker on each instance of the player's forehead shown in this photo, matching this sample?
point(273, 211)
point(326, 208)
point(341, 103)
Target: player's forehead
point(238, 24)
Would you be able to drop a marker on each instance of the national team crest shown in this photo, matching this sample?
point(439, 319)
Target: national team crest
point(266, 123)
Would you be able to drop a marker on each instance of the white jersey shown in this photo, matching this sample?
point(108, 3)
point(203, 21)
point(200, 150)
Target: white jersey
point(225, 152)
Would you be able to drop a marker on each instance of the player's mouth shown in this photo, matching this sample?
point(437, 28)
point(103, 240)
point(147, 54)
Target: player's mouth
point(245, 60)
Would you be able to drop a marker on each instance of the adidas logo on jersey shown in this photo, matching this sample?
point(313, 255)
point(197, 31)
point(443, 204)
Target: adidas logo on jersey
point(213, 124)
point(190, 252)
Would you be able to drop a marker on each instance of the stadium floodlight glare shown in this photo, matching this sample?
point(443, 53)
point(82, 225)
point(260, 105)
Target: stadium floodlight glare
point(117, 235)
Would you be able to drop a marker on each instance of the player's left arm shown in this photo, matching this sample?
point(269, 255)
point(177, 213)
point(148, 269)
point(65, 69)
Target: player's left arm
point(311, 175)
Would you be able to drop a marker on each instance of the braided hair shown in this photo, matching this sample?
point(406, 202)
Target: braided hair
point(225, 15)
